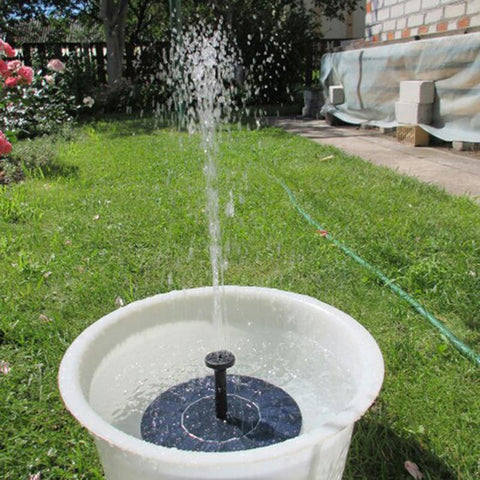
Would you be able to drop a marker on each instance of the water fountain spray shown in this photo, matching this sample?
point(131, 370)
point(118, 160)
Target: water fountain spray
point(153, 349)
point(225, 413)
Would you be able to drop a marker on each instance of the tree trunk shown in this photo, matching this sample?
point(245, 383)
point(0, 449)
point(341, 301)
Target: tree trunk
point(114, 14)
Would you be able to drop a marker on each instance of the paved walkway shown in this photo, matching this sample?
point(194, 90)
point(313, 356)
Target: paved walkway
point(457, 172)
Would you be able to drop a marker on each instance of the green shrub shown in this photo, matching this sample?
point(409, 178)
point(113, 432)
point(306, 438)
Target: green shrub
point(38, 156)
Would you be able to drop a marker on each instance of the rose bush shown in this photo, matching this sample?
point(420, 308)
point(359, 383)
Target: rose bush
point(12, 74)
point(5, 145)
point(30, 105)
point(43, 105)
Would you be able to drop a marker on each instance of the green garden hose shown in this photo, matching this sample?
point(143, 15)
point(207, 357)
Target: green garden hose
point(444, 331)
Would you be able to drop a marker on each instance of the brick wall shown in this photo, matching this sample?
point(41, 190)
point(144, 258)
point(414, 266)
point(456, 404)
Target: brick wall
point(396, 19)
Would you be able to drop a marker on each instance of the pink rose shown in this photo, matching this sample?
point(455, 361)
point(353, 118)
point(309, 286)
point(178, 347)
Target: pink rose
point(12, 81)
point(26, 75)
point(7, 49)
point(49, 79)
point(4, 72)
point(14, 66)
point(56, 65)
point(5, 145)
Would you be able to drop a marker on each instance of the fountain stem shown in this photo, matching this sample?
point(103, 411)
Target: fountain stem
point(219, 361)
point(221, 394)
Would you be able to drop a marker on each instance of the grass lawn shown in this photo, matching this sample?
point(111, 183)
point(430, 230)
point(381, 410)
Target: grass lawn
point(123, 215)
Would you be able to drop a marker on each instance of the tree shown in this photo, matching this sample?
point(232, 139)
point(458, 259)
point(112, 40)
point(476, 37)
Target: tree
point(14, 12)
point(134, 21)
point(336, 8)
point(113, 14)
point(128, 22)
point(147, 21)
point(276, 37)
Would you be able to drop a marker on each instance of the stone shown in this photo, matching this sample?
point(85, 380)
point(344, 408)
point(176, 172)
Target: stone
point(413, 113)
point(466, 146)
point(336, 94)
point(417, 91)
point(387, 130)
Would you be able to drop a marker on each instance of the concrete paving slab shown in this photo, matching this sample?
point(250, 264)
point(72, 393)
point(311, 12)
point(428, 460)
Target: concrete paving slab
point(457, 172)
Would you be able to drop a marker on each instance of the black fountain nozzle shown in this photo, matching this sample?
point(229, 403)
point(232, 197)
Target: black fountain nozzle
point(220, 361)
point(259, 413)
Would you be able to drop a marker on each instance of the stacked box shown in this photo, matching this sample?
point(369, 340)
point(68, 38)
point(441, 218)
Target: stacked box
point(415, 102)
point(417, 91)
point(336, 94)
point(413, 113)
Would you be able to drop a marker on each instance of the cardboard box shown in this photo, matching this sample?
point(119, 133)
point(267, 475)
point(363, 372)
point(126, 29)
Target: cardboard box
point(413, 135)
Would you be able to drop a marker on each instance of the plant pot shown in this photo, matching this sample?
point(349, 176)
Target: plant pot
point(319, 355)
point(313, 101)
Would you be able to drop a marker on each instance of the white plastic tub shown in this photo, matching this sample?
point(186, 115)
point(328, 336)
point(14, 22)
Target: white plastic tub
point(319, 355)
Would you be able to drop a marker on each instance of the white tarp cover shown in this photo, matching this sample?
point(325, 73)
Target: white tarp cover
point(371, 80)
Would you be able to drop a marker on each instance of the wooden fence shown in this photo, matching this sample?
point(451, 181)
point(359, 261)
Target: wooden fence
point(92, 56)
point(87, 62)
point(95, 56)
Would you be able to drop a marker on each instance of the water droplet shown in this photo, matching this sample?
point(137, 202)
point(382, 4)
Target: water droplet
point(230, 207)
